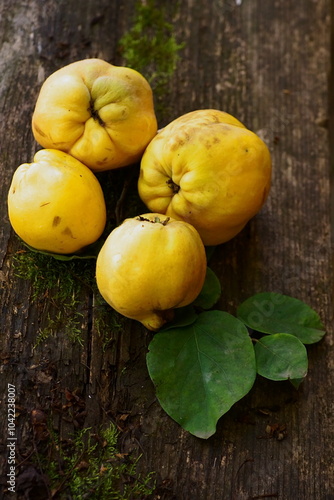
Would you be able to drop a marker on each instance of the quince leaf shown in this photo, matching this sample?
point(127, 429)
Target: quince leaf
point(183, 316)
point(89, 252)
point(202, 369)
point(276, 313)
point(281, 356)
point(210, 292)
point(296, 382)
point(209, 252)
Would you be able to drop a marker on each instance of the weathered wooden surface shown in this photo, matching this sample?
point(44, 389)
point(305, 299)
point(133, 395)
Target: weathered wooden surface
point(268, 63)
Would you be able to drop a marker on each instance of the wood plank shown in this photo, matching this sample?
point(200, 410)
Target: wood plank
point(267, 63)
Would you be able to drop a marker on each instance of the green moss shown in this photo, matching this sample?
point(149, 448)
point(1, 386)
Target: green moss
point(91, 466)
point(54, 324)
point(64, 278)
point(151, 48)
point(62, 283)
point(107, 321)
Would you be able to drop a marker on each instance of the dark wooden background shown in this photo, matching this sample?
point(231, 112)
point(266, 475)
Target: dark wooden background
point(268, 63)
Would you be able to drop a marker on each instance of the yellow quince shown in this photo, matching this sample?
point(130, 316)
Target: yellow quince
point(150, 265)
point(101, 114)
point(208, 169)
point(56, 203)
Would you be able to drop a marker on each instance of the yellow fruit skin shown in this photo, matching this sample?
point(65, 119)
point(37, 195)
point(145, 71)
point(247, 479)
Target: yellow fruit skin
point(207, 169)
point(145, 269)
point(56, 203)
point(101, 114)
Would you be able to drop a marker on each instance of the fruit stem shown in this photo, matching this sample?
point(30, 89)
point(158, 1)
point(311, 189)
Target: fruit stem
point(95, 114)
point(174, 187)
point(157, 319)
point(155, 221)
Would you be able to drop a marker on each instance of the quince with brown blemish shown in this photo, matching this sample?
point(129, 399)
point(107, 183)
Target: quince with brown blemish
point(56, 203)
point(206, 168)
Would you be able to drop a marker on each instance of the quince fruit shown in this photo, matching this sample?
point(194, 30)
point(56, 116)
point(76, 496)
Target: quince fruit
point(56, 203)
point(208, 169)
point(150, 265)
point(101, 114)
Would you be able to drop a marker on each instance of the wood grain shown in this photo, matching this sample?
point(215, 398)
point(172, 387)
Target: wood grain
point(267, 63)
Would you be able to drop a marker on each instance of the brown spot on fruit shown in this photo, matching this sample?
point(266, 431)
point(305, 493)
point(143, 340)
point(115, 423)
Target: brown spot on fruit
point(102, 162)
point(38, 130)
point(208, 143)
point(179, 140)
point(67, 232)
point(56, 221)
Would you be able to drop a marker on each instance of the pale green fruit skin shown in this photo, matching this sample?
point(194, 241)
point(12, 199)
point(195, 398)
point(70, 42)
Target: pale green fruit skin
point(56, 203)
point(146, 269)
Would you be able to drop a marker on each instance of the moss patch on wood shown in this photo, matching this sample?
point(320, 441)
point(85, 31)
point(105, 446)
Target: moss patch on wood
point(63, 283)
point(87, 465)
point(151, 48)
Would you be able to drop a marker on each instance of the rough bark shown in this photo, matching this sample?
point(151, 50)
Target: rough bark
point(267, 63)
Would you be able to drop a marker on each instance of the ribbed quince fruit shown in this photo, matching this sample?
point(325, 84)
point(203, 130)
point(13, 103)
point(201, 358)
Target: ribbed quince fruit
point(208, 169)
point(101, 114)
point(150, 265)
point(56, 203)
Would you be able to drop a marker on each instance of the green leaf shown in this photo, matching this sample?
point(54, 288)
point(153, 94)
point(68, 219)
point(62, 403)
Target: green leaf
point(89, 252)
point(183, 316)
point(209, 252)
point(276, 313)
point(201, 370)
point(210, 292)
point(281, 357)
point(296, 382)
